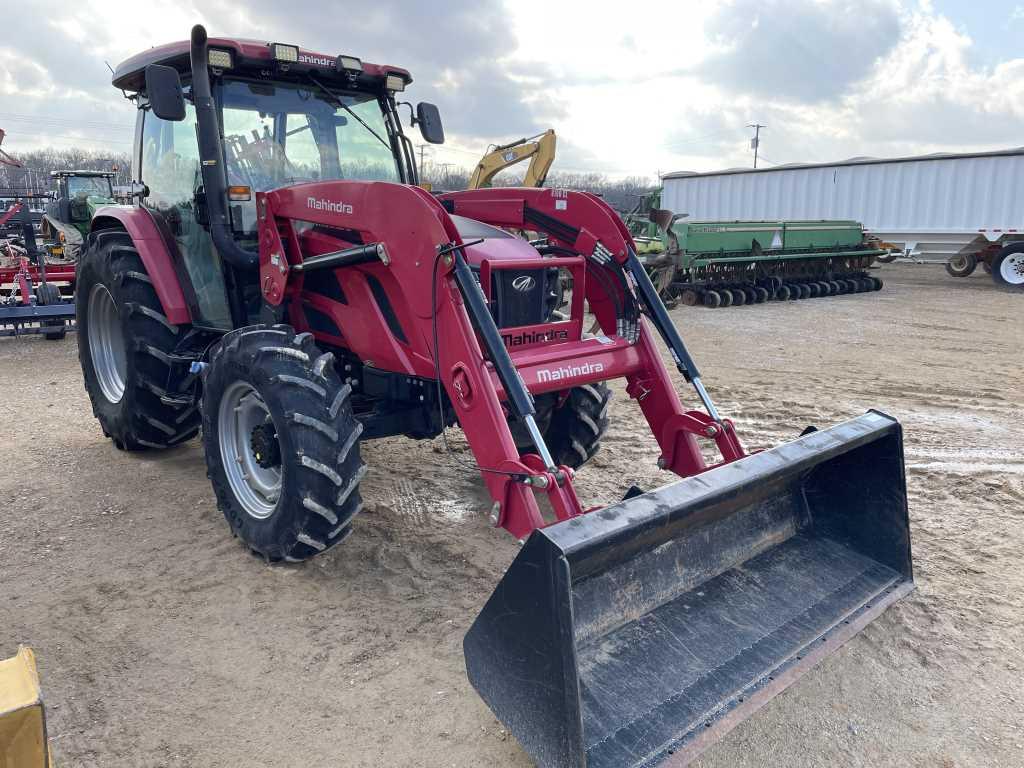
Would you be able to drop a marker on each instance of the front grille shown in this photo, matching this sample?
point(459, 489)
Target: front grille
point(519, 297)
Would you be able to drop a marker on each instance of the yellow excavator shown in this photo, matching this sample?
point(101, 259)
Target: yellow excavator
point(540, 149)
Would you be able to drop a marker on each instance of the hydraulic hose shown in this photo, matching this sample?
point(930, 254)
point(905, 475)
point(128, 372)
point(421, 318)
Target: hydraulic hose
point(211, 159)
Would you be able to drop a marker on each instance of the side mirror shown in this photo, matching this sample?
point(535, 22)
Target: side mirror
point(429, 121)
point(163, 88)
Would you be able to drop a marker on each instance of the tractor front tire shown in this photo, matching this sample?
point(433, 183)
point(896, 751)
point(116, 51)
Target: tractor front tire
point(124, 339)
point(577, 426)
point(281, 442)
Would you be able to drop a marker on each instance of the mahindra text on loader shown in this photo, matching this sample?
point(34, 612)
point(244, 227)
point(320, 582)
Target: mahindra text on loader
point(284, 286)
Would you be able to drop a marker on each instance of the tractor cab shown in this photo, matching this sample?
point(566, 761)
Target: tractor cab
point(77, 197)
point(220, 120)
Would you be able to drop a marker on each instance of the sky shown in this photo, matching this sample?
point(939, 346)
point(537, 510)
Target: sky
point(631, 89)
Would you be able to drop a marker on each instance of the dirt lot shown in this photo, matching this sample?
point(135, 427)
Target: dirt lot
point(163, 643)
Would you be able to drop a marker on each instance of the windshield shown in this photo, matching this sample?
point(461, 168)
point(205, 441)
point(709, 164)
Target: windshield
point(279, 133)
point(88, 186)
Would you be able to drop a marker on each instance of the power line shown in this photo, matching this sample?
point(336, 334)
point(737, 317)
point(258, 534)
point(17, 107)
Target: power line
point(70, 122)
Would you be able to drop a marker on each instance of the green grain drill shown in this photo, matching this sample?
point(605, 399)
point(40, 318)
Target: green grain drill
point(722, 263)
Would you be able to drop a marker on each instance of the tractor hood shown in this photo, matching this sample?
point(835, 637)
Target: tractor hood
point(497, 245)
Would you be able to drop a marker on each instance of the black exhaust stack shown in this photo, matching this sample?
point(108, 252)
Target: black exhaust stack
point(639, 634)
point(211, 156)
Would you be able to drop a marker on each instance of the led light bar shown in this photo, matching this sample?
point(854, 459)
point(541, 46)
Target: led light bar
point(286, 53)
point(219, 59)
point(350, 64)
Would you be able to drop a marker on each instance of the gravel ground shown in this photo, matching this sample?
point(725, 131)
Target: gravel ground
point(163, 643)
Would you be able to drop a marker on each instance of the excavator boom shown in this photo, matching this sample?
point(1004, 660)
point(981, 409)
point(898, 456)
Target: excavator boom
point(540, 150)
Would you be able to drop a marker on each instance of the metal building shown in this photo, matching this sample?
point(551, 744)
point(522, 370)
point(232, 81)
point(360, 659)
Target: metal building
point(932, 206)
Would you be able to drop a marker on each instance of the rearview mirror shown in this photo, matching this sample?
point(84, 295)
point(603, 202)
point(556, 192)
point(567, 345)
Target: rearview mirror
point(429, 121)
point(163, 88)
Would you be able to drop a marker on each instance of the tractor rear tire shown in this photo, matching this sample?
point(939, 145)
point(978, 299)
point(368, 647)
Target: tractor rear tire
point(576, 428)
point(281, 442)
point(48, 294)
point(124, 340)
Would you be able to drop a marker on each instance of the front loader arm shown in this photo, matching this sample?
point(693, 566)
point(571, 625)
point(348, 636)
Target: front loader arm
point(404, 239)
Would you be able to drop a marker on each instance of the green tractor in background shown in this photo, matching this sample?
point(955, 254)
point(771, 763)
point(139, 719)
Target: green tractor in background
point(645, 232)
point(79, 194)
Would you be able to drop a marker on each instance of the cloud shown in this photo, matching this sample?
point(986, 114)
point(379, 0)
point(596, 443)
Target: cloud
point(797, 50)
point(458, 54)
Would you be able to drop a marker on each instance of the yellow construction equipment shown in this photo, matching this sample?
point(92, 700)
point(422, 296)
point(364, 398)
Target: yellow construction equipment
point(22, 718)
point(540, 149)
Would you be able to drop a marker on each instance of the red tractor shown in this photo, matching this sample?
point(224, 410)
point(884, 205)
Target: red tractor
point(285, 287)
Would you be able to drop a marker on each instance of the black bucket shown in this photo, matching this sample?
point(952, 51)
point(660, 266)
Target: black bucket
point(640, 634)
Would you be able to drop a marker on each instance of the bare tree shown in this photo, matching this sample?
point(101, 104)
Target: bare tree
point(37, 164)
point(621, 194)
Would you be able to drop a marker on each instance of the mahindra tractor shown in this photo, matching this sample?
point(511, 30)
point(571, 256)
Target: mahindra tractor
point(284, 287)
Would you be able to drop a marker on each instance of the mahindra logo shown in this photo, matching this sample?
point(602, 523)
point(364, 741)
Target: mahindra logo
point(322, 61)
point(531, 337)
point(524, 283)
point(334, 206)
point(569, 371)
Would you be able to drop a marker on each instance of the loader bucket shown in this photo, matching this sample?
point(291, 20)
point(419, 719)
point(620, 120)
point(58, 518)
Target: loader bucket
point(639, 634)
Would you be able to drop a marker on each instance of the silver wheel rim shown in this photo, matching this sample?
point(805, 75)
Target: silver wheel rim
point(256, 488)
point(959, 263)
point(106, 343)
point(1012, 269)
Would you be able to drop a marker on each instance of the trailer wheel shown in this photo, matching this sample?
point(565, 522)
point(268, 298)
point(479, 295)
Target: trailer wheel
point(961, 265)
point(577, 427)
point(48, 294)
point(124, 340)
point(1008, 267)
point(726, 296)
point(762, 294)
point(281, 442)
point(739, 298)
point(782, 293)
point(834, 288)
point(712, 299)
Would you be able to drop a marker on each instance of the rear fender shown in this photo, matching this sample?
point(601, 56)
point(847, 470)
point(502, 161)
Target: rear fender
point(155, 252)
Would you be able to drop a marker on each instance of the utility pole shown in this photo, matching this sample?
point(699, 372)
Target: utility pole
point(755, 142)
point(422, 148)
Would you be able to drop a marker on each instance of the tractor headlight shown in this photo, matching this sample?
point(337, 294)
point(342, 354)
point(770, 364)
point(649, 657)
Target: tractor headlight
point(394, 83)
point(349, 64)
point(219, 59)
point(286, 53)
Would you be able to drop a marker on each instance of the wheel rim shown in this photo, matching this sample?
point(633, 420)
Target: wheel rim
point(256, 487)
point(106, 343)
point(1012, 269)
